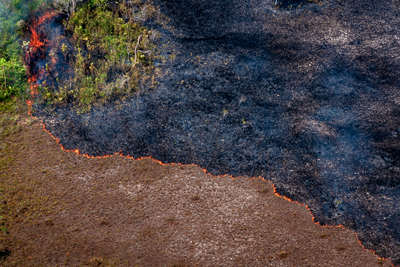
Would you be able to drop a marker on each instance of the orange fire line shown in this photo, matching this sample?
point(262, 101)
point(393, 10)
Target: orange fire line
point(36, 43)
point(340, 225)
point(30, 102)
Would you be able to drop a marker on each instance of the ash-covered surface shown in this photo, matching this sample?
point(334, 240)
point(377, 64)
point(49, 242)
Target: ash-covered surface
point(307, 98)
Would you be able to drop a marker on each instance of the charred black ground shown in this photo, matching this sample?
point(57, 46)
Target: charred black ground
point(308, 99)
point(290, 4)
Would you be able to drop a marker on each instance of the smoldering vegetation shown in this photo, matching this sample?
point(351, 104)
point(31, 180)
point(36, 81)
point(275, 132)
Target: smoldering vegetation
point(308, 98)
point(99, 53)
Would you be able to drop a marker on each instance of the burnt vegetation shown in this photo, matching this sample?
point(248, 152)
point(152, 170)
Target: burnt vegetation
point(99, 53)
point(295, 97)
point(113, 53)
point(289, 4)
point(77, 53)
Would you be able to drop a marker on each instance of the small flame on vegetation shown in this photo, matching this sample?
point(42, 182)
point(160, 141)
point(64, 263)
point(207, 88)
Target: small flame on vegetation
point(36, 45)
point(39, 44)
point(95, 56)
point(76, 151)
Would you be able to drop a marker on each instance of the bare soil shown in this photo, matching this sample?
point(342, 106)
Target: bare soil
point(62, 209)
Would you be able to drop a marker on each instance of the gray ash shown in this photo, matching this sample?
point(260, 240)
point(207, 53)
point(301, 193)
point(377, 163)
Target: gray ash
point(309, 100)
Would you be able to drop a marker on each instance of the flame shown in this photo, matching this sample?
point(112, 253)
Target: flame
point(36, 44)
point(47, 15)
point(35, 41)
point(33, 86)
point(340, 225)
point(76, 151)
point(35, 38)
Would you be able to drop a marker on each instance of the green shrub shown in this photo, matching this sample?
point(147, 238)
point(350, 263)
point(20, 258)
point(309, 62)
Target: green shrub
point(12, 14)
point(12, 78)
point(126, 49)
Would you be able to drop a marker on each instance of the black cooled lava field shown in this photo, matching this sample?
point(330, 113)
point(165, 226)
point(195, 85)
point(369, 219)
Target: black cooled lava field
point(307, 97)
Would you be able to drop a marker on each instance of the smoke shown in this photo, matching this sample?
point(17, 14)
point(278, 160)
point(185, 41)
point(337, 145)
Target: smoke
point(13, 15)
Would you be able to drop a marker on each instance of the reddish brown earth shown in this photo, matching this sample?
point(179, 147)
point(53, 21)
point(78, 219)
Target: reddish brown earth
point(62, 209)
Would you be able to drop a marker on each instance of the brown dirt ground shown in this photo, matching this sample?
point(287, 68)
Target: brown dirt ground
point(62, 209)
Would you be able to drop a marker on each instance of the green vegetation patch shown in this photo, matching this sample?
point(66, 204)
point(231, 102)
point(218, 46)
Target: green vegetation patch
point(12, 14)
point(13, 80)
point(113, 53)
point(109, 52)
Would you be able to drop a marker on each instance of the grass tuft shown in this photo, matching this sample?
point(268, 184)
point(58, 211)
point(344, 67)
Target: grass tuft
point(283, 254)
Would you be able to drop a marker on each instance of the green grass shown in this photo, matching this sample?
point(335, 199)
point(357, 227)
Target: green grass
point(126, 50)
point(13, 80)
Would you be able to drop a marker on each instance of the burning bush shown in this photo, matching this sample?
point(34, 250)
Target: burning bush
point(105, 54)
point(13, 80)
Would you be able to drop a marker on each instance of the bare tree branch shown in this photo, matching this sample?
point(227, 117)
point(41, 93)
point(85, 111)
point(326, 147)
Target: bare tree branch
point(138, 40)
